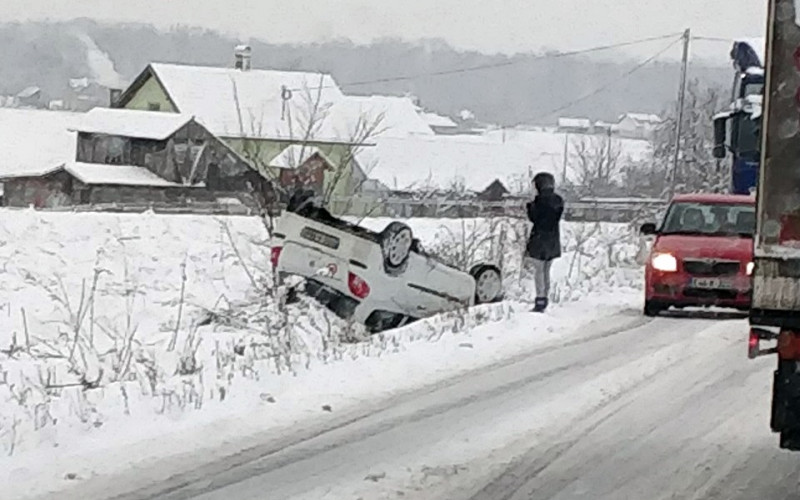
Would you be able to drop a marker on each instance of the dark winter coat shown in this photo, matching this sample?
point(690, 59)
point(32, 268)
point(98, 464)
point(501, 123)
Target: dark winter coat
point(545, 213)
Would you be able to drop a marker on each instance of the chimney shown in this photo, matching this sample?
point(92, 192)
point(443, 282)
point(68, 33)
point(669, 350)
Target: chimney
point(242, 55)
point(113, 97)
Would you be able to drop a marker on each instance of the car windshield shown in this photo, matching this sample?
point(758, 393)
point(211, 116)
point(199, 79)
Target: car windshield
point(713, 219)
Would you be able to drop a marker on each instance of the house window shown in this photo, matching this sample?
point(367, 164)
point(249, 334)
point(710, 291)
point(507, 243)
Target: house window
point(115, 150)
point(153, 106)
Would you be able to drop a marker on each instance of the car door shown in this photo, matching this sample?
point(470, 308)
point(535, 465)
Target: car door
point(433, 287)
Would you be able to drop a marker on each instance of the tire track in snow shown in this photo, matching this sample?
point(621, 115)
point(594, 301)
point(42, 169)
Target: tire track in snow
point(246, 464)
point(515, 481)
point(263, 459)
point(271, 454)
point(545, 409)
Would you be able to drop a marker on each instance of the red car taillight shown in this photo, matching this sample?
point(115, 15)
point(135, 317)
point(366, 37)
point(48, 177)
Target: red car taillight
point(275, 254)
point(752, 345)
point(358, 286)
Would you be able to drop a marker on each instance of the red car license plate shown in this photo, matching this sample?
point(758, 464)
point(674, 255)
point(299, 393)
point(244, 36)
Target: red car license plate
point(711, 283)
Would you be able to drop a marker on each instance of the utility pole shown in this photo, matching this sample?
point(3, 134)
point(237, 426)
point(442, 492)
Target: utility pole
point(608, 154)
point(687, 36)
point(566, 159)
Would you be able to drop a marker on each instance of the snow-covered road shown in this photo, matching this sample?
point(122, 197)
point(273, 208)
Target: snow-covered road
point(634, 408)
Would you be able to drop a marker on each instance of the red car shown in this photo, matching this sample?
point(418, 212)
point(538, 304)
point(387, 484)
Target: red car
point(702, 254)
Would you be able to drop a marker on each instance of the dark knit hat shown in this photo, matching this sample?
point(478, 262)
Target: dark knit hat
point(544, 180)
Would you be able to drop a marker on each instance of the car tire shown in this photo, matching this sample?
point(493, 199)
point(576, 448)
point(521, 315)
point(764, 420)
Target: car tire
point(652, 309)
point(396, 241)
point(488, 283)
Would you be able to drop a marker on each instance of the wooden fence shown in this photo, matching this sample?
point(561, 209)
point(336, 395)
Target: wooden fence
point(597, 210)
point(591, 210)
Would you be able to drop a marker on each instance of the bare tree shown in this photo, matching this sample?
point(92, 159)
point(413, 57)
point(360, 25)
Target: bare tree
point(596, 163)
point(697, 169)
point(304, 124)
point(313, 113)
point(365, 129)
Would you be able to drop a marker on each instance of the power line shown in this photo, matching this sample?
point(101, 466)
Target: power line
point(481, 67)
point(612, 82)
point(712, 39)
point(723, 40)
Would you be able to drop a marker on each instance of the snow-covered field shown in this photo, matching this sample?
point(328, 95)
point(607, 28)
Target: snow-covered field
point(446, 161)
point(164, 335)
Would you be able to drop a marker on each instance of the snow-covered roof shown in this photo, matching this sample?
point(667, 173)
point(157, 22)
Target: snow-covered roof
point(475, 160)
point(642, 117)
point(295, 155)
point(574, 123)
point(153, 125)
point(398, 116)
point(78, 83)
point(602, 124)
point(437, 120)
point(211, 94)
point(35, 142)
point(28, 92)
point(116, 175)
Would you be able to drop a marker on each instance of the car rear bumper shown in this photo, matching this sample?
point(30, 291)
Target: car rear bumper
point(675, 289)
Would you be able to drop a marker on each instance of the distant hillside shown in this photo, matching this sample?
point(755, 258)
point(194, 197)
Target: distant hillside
point(48, 55)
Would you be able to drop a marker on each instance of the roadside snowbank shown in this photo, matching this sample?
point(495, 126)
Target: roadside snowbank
point(166, 365)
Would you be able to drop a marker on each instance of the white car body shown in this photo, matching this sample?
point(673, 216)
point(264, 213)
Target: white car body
point(342, 257)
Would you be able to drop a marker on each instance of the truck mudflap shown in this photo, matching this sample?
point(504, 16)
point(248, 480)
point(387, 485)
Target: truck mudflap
point(785, 417)
point(780, 387)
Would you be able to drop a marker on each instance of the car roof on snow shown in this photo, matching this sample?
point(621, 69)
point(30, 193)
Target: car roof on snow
point(715, 198)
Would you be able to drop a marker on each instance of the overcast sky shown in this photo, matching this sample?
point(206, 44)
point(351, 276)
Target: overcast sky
point(485, 25)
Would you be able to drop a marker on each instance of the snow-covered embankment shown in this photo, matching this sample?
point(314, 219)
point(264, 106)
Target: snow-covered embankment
point(158, 334)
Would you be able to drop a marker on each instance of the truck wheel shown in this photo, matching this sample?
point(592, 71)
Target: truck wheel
point(396, 241)
point(488, 284)
point(652, 308)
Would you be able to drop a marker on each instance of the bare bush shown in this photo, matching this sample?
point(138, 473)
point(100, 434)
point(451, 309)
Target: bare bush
point(596, 163)
point(75, 344)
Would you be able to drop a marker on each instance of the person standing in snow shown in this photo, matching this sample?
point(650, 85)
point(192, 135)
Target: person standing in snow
point(544, 244)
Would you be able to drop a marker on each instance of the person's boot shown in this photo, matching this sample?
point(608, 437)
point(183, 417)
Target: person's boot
point(540, 304)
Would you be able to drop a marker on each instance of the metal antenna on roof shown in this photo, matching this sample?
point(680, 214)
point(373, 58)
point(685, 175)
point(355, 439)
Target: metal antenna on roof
point(286, 94)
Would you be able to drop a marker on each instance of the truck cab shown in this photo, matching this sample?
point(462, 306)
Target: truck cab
point(736, 134)
point(736, 130)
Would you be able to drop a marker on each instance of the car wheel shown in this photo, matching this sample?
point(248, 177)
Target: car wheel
point(652, 308)
point(396, 242)
point(488, 284)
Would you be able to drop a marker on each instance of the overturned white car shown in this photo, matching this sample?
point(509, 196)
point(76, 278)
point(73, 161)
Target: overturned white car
point(383, 280)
